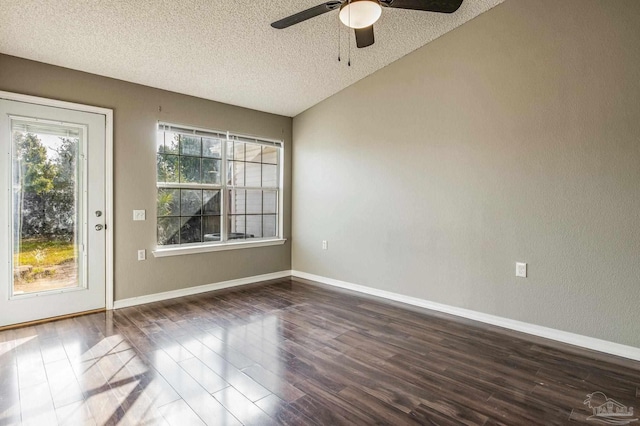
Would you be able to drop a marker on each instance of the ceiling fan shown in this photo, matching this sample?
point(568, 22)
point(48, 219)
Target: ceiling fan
point(362, 14)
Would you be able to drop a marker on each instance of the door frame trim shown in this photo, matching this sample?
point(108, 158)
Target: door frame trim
point(108, 187)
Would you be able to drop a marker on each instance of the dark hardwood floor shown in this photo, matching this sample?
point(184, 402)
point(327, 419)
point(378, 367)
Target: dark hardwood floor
point(291, 353)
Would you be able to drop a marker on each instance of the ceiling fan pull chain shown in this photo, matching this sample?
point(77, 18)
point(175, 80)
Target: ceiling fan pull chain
point(349, 61)
point(339, 40)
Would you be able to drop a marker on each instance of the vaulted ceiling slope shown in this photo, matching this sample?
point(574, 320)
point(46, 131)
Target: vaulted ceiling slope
point(221, 50)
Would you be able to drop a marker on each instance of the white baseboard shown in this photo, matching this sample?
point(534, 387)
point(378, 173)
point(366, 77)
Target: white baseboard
point(599, 345)
point(125, 303)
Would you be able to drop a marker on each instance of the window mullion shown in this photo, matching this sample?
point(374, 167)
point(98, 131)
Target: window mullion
point(224, 197)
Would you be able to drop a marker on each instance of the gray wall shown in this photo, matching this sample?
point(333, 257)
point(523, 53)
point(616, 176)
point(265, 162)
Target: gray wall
point(136, 113)
point(516, 137)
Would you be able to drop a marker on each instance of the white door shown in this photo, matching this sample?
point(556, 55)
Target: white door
point(52, 211)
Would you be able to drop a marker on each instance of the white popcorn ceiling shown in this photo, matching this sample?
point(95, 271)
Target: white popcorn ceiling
point(225, 51)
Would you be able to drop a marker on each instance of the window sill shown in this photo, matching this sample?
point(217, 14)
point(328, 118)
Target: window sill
point(234, 245)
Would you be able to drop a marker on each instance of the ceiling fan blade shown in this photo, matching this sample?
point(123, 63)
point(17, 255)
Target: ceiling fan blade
point(306, 14)
point(364, 37)
point(441, 6)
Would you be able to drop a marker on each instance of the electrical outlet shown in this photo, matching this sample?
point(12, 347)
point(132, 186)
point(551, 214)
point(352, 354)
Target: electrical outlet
point(521, 270)
point(139, 215)
point(142, 254)
point(325, 245)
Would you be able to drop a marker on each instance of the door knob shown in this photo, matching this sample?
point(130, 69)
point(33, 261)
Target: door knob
point(99, 227)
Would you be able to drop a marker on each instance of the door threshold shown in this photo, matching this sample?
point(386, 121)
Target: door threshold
point(44, 320)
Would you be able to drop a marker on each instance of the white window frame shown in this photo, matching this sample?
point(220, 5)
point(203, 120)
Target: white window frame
point(223, 187)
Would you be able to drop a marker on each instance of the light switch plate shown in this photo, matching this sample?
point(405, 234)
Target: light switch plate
point(521, 270)
point(139, 215)
point(142, 254)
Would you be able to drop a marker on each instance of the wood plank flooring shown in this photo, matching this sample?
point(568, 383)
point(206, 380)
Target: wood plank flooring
point(287, 352)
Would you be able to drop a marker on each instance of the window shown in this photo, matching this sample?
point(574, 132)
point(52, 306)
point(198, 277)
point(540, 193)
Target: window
point(214, 188)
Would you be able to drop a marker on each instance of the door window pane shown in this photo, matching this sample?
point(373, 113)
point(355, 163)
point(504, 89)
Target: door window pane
point(46, 207)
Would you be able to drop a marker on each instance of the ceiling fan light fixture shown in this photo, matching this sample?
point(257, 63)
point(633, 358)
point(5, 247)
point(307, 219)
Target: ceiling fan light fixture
point(360, 13)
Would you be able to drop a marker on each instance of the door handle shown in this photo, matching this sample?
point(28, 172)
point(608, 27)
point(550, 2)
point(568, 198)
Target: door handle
point(99, 227)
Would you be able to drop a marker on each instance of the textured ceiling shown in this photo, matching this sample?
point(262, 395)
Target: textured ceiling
point(220, 50)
